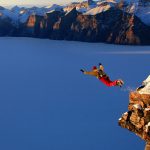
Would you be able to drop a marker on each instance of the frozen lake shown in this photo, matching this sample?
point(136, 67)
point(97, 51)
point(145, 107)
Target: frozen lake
point(46, 103)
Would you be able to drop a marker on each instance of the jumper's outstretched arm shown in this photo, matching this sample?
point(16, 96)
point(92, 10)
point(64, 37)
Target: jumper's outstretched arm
point(92, 73)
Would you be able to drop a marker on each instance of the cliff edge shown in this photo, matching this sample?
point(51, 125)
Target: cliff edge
point(137, 118)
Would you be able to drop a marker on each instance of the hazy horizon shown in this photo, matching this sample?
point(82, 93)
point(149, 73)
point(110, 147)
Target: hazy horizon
point(29, 3)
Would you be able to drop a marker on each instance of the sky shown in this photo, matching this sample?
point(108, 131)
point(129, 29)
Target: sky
point(34, 2)
point(46, 103)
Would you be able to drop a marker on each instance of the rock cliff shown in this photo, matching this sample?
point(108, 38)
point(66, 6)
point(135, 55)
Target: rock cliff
point(137, 118)
point(6, 28)
point(112, 26)
point(104, 22)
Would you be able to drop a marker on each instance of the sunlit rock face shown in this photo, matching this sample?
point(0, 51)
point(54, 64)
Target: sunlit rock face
point(137, 118)
point(100, 24)
point(112, 26)
point(31, 21)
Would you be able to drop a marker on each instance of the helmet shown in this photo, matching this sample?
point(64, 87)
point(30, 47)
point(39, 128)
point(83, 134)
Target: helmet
point(94, 68)
point(101, 67)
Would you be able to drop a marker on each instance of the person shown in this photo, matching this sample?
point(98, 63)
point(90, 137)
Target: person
point(102, 76)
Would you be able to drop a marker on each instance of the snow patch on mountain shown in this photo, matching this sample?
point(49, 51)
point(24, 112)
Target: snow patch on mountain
point(54, 7)
point(21, 14)
point(106, 1)
point(141, 11)
point(132, 8)
point(103, 6)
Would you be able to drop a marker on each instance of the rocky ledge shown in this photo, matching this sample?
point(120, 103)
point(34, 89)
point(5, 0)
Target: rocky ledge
point(137, 118)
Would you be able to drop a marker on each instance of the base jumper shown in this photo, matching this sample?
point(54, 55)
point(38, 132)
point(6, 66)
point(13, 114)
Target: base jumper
point(102, 76)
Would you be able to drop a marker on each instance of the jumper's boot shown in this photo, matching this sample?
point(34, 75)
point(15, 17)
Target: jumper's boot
point(119, 83)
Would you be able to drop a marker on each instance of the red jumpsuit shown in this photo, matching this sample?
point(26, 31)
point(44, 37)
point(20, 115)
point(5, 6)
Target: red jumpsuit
point(104, 79)
point(107, 81)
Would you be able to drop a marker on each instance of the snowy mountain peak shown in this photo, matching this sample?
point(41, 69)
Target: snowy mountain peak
point(91, 2)
point(2, 8)
point(15, 8)
point(140, 8)
point(53, 7)
point(101, 7)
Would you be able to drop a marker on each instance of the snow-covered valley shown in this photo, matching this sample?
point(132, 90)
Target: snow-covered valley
point(47, 103)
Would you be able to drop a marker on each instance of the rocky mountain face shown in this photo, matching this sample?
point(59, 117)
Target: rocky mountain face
point(110, 23)
point(112, 26)
point(6, 27)
point(137, 118)
point(144, 2)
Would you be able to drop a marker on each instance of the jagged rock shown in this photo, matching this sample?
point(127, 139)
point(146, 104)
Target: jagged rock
point(137, 119)
point(6, 27)
point(147, 147)
point(32, 27)
point(111, 26)
point(63, 30)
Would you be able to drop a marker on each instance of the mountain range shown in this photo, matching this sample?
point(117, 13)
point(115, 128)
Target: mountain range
point(101, 21)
